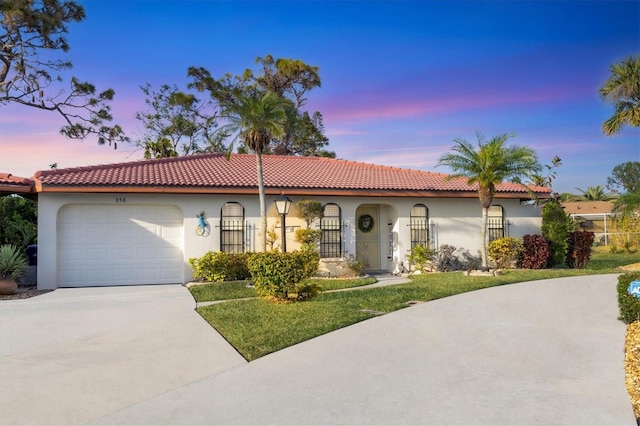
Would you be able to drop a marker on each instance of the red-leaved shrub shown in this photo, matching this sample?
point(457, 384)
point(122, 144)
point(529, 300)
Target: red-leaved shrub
point(536, 252)
point(579, 248)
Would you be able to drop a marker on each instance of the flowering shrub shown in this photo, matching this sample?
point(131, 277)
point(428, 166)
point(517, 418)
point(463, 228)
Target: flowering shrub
point(505, 251)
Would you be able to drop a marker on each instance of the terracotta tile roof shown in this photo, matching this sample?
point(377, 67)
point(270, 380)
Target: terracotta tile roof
point(587, 207)
point(213, 172)
point(10, 184)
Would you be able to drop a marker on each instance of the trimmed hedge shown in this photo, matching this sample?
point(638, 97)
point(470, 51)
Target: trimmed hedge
point(629, 305)
point(579, 248)
point(280, 276)
point(221, 266)
point(536, 252)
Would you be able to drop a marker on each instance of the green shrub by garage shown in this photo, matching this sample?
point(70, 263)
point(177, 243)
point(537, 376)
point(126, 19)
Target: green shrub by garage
point(221, 266)
point(629, 305)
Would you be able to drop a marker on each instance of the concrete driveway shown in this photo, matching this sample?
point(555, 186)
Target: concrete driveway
point(74, 355)
point(545, 352)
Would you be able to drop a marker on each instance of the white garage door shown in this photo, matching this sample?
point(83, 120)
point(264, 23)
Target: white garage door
point(102, 245)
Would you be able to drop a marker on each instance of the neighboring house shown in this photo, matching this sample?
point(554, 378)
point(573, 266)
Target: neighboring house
point(10, 184)
point(136, 223)
point(591, 216)
point(598, 217)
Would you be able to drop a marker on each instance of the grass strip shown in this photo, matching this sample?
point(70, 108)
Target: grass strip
point(257, 328)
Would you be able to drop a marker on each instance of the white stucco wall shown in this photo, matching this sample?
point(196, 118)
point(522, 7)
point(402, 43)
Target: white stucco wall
point(455, 222)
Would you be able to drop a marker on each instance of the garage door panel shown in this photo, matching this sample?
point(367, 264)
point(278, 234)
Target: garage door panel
point(167, 251)
point(119, 274)
point(71, 275)
point(120, 245)
point(70, 254)
point(146, 274)
point(97, 253)
point(123, 254)
point(120, 231)
point(96, 232)
point(171, 233)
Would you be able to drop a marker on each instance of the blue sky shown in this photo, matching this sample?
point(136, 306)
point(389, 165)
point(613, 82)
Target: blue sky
point(400, 79)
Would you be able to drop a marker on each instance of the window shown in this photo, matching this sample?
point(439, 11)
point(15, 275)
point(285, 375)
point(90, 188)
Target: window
point(232, 228)
point(495, 222)
point(419, 225)
point(331, 226)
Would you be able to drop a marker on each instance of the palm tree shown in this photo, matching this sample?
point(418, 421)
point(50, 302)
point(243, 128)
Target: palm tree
point(627, 204)
point(622, 89)
point(257, 118)
point(595, 193)
point(487, 166)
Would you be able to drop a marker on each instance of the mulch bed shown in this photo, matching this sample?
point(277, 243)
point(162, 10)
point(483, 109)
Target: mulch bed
point(632, 365)
point(24, 292)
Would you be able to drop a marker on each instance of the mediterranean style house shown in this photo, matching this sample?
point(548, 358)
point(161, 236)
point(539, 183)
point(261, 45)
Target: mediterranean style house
point(141, 222)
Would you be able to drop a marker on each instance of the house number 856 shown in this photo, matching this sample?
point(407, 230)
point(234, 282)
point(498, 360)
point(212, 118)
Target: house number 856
point(121, 200)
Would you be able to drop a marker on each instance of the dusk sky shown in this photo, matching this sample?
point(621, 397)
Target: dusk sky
point(400, 79)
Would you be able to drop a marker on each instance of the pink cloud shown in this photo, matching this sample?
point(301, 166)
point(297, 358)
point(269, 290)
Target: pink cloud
point(422, 157)
point(377, 106)
point(30, 139)
point(24, 155)
point(345, 132)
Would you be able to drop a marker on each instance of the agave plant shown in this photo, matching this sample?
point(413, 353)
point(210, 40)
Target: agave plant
point(12, 262)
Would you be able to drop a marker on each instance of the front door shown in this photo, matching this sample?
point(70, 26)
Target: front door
point(368, 235)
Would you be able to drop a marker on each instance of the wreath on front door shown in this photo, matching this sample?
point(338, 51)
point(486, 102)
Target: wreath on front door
point(365, 223)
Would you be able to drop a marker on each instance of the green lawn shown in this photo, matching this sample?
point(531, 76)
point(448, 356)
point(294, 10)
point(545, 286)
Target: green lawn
point(603, 259)
point(256, 328)
point(226, 290)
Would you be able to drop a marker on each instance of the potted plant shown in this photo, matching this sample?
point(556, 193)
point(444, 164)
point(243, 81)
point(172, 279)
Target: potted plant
point(12, 264)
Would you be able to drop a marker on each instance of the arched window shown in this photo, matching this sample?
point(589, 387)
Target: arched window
point(419, 225)
point(331, 237)
point(495, 222)
point(232, 228)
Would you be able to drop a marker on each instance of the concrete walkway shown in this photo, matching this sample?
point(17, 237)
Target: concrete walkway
point(545, 352)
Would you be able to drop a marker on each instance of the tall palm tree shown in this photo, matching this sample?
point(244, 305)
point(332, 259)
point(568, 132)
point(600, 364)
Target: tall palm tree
point(257, 118)
point(487, 166)
point(622, 89)
point(595, 193)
